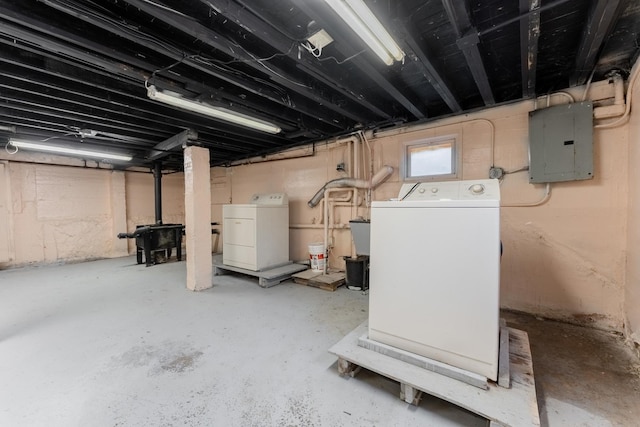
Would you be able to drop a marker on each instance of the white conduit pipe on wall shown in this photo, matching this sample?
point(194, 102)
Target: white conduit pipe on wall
point(326, 223)
point(547, 195)
point(632, 80)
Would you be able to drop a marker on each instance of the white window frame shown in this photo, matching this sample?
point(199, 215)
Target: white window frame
point(456, 164)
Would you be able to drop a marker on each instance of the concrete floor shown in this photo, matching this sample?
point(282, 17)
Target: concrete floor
point(111, 343)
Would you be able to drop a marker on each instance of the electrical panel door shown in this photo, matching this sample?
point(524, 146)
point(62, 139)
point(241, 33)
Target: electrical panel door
point(561, 143)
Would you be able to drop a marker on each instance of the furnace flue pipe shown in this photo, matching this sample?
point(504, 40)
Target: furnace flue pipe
point(157, 185)
point(376, 180)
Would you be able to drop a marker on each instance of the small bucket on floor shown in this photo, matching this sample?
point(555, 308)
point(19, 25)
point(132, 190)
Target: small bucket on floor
point(317, 256)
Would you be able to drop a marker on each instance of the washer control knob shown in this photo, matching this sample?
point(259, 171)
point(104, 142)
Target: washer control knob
point(421, 190)
point(477, 188)
point(434, 190)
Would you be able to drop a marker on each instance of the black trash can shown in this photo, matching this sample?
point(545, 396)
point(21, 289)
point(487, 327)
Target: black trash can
point(357, 276)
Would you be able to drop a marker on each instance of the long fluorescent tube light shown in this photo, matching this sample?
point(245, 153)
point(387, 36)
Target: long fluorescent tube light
point(364, 23)
point(210, 110)
point(376, 28)
point(37, 146)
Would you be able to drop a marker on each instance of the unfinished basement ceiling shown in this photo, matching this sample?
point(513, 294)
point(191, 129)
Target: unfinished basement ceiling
point(75, 71)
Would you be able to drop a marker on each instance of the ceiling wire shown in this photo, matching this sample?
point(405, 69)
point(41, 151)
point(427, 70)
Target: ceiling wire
point(305, 43)
point(260, 61)
point(58, 136)
point(161, 6)
point(313, 50)
point(168, 67)
point(283, 77)
point(235, 61)
point(6, 148)
point(286, 99)
point(344, 60)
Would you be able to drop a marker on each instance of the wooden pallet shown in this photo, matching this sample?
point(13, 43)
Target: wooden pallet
point(327, 282)
point(507, 407)
point(303, 277)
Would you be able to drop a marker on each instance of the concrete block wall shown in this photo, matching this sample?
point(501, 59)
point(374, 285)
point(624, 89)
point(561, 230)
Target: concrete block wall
point(72, 211)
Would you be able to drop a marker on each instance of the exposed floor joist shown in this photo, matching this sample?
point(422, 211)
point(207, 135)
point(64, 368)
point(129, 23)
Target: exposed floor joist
point(468, 40)
point(529, 34)
point(433, 76)
point(162, 149)
point(601, 19)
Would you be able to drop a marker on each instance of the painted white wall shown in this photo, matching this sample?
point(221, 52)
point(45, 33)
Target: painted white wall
point(59, 213)
point(72, 212)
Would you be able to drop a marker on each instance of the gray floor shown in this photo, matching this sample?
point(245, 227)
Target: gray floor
point(111, 343)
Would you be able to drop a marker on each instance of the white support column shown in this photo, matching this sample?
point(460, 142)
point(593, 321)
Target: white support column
point(118, 213)
point(6, 231)
point(197, 200)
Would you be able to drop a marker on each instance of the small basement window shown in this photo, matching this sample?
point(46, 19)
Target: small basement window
point(432, 158)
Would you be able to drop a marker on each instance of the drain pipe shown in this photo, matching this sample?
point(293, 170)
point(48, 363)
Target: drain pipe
point(376, 180)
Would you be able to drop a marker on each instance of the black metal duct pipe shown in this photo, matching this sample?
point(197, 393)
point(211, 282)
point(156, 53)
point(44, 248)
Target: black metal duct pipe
point(157, 185)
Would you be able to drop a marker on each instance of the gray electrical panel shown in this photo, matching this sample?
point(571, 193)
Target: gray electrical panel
point(561, 143)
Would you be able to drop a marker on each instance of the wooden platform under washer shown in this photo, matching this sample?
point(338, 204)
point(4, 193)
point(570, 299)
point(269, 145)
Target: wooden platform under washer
point(515, 406)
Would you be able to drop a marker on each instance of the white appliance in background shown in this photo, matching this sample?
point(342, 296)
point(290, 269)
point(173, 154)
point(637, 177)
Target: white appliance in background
point(435, 273)
point(255, 236)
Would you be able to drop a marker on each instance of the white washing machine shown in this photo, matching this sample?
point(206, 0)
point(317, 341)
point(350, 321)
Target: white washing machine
point(255, 236)
point(435, 273)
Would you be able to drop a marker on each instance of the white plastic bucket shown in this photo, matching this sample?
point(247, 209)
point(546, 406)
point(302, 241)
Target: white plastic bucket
point(317, 256)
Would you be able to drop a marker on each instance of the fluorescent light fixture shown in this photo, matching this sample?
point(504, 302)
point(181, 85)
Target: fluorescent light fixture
point(210, 110)
point(361, 20)
point(38, 146)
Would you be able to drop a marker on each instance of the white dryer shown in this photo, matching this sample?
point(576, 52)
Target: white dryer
point(255, 236)
point(435, 273)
